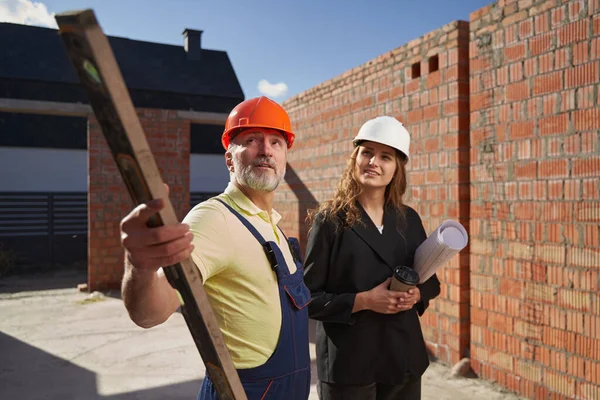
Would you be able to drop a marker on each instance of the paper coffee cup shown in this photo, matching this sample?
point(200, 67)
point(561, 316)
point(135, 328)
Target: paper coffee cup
point(404, 279)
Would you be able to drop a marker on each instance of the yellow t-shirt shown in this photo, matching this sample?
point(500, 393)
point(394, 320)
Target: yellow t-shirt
point(237, 276)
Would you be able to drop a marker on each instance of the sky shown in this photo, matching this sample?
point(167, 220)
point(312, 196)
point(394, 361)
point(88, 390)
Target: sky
point(278, 48)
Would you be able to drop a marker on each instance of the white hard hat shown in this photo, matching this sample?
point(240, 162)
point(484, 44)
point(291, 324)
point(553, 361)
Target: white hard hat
point(385, 130)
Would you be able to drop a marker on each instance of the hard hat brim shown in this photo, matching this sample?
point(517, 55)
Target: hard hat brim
point(232, 133)
point(358, 141)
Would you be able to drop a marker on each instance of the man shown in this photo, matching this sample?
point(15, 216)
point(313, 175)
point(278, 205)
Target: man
point(259, 301)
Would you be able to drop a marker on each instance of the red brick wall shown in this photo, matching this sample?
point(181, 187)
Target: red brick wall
point(535, 200)
point(435, 109)
point(109, 201)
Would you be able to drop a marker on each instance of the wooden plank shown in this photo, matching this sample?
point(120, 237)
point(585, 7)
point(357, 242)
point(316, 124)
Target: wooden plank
point(94, 61)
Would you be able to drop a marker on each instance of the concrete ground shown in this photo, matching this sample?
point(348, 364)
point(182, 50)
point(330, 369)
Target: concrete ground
point(58, 343)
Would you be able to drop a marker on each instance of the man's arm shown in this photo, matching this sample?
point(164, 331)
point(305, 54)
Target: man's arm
point(149, 298)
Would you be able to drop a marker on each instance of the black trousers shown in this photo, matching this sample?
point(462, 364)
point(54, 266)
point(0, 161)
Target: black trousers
point(410, 390)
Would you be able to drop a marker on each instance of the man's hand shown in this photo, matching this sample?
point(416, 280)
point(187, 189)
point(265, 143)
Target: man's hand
point(147, 295)
point(152, 248)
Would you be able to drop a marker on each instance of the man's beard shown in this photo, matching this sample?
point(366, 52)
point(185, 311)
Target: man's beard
point(256, 179)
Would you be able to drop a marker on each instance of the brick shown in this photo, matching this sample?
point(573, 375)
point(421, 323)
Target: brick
point(514, 18)
point(502, 360)
point(516, 72)
point(528, 330)
point(561, 58)
point(525, 170)
point(588, 390)
point(595, 51)
point(574, 300)
point(558, 17)
point(591, 325)
point(588, 258)
point(526, 28)
point(592, 370)
point(591, 189)
point(586, 119)
point(586, 167)
point(511, 288)
point(547, 83)
point(587, 211)
point(557, 124)
point(500, 322)
point(558, 211)
point(539, 292)
point(573, 32)
point(515, 52)
point(517, 91)
point(529, 371)
point(588, 347)
point(553, 168)
point(521, 130)
point(582, 75)
point(591, 236)
point(575, 322)
point(550, 254)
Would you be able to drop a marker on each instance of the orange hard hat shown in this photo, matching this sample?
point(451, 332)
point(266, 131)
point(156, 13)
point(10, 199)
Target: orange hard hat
point(259, 112)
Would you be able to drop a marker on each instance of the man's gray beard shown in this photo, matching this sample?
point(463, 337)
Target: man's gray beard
point(247, 176)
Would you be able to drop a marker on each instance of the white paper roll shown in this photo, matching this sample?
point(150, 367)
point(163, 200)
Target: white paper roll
point(446, 241)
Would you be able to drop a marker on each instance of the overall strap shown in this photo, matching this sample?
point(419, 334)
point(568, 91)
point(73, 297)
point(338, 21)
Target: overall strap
point(267, 246)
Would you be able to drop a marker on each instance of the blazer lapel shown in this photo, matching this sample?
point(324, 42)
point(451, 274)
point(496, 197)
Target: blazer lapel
point(383, 245)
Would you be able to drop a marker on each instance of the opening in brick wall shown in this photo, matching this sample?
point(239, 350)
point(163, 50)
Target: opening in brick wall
point(434, 63)
point(415, 70)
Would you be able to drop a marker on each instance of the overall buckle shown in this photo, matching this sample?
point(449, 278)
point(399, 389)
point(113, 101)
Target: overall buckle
point(270, 253)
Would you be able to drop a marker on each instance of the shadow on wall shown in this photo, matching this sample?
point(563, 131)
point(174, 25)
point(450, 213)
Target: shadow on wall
point(27, 372)
point(306, 201)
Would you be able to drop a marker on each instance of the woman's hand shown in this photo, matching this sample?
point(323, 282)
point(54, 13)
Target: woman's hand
point(379, 299)
point(407, 300)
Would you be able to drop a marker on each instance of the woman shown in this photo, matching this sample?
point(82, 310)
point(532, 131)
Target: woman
point(369, 340)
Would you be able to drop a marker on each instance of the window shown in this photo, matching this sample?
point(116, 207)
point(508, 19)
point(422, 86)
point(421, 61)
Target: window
point(416, 70)
point(206, 139)
point(44, 131)
point(434, 63)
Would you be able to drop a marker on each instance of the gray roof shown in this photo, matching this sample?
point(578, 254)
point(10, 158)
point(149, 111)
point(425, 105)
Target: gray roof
point(38, 54)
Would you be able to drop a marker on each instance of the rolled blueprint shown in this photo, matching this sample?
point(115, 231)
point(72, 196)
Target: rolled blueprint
point(447, 240)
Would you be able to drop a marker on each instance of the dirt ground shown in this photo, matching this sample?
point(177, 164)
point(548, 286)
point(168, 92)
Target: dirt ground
point(58, 343)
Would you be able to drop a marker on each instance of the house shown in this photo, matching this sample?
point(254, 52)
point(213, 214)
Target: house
point(53, 161)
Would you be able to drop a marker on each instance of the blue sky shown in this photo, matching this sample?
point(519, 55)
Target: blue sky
point(291, 45)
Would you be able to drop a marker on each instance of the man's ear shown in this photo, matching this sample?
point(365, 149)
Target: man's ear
point(229, 160)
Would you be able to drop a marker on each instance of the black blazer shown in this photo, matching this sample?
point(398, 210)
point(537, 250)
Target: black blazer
point(366, 346)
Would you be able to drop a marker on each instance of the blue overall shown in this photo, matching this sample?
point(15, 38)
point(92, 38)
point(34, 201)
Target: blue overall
point(286, 374)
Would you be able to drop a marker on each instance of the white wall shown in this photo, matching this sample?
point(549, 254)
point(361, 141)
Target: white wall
point(58, 170)
point(25, 169)
point(208, 173)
